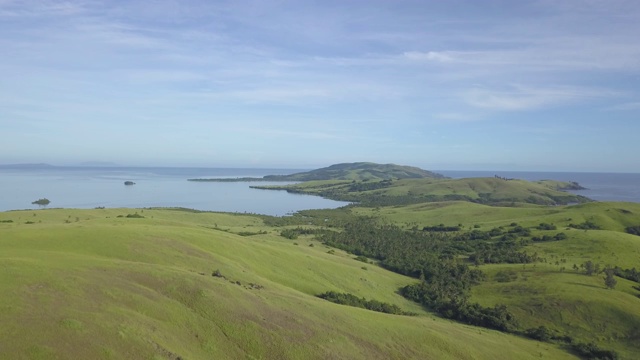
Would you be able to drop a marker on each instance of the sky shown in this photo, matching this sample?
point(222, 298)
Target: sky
point(539, 85)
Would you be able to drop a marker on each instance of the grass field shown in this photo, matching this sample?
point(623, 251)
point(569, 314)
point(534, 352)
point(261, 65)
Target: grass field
point(552, 293)
point(405, 191)
point(96, 284)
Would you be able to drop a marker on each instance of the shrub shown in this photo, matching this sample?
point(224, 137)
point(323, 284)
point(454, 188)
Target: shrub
point(506, 276)
point(546, 226)
point(540, 333)
point(633, 230)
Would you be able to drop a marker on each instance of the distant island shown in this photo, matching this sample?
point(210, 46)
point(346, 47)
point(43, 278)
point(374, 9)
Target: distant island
point(358, 171)
point(129, 183)
point(41, 202)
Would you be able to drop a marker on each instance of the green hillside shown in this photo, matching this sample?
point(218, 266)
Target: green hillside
point(553, 292)
point(359, 171)
point(138, 284)
point(554, 274)
point(411, 191)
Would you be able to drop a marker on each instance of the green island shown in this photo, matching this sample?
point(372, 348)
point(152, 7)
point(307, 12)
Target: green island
point(417, 267)
point(363, 171)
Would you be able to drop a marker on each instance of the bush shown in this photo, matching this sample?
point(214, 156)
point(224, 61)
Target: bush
point(545, 226)
point(217, 273)
point(633, 230)
point(592, 351)
point(540, 333)
point(587, 225)
point(289, 234)
point(506, 276)
point(352, 300)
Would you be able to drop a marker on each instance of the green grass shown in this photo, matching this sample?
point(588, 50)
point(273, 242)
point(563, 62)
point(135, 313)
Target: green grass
point(87, 284)
point(566, 301)
point(407, 191)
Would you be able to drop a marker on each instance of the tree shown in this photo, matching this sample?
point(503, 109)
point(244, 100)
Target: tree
point(589, 268)
point(609, 279)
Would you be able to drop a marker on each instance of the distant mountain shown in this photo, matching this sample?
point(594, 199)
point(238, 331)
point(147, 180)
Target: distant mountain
point(98, 164)
point(25, 166)
point(358, 171)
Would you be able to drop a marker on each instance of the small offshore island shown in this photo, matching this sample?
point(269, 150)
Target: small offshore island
point(447, 267)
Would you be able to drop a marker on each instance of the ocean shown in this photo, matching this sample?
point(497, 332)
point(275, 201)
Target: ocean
point(86, 188)
point(90, 187)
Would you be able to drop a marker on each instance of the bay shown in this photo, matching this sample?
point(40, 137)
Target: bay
point(90, 187)
point(85, 188)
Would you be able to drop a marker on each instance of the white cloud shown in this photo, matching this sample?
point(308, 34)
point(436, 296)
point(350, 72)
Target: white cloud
point(527, 98)
point(429, 56)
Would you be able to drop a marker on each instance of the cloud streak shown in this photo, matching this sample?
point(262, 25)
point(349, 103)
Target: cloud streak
point(384, 70)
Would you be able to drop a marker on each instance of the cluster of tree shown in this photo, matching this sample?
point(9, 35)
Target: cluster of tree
point(369, 185)
point(504, 252)
point(587, 351)
point(629, 274)
point(437, 259)
point(373, 305)
point(451, 301)
point(503, 178)
point(293, 234)
point(131, 216)
point(592, 351)
point(434, 257)
point(546, 226)
point(591, 268)
point(633, 230)
point(441, 227)
point(587, 225)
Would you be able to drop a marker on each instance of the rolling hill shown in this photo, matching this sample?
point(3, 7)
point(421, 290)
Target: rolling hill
point(359, 171)
point(411, 190)
point(97, 284)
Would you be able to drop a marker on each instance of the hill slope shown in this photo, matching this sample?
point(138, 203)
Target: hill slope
point(91, 284)
point(358, 171)
point(412, 191)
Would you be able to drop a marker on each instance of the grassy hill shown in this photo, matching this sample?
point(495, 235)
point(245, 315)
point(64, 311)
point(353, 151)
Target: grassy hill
point(359, 171)
point(138, 284)
point(410, 191)
point(551, 292)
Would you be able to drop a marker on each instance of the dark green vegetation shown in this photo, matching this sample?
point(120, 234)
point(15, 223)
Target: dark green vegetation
point(373, 305)
point(490, 268)
point(633, 230)
point(42, 202)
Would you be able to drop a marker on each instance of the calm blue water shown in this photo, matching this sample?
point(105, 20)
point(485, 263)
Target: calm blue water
point(80, 187)
point(84, 187)
point(601, 186)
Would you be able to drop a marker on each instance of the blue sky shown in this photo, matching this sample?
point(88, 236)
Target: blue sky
point(469, 85)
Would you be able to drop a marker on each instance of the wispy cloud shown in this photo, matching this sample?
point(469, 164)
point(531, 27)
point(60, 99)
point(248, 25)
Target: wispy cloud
point(379, 71)
point(522, 98)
